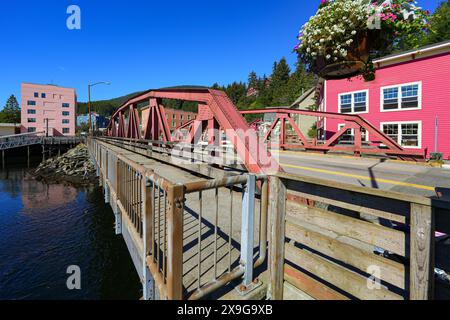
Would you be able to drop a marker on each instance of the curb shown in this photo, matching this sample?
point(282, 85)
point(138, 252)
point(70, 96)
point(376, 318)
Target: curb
point(423, 164)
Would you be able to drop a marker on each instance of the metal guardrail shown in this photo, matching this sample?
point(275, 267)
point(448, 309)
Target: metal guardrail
point(28, 139)
point(168, 224)
point(209, 154)
point(20, 140)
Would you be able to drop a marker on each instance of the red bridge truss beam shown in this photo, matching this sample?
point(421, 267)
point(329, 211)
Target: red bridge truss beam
point(380, 143)
point(216, 112)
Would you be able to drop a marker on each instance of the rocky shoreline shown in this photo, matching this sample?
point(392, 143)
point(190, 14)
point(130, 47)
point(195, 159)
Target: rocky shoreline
point(74, 167)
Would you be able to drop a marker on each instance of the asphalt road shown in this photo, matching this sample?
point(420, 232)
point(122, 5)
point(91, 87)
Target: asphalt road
point(368, 172)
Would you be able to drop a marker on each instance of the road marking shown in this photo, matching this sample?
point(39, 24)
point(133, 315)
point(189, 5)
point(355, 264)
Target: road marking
point(342, 156)
point(349, 175)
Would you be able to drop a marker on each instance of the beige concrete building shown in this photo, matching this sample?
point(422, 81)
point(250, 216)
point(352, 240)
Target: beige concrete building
point(304, 102)
point(8, 129)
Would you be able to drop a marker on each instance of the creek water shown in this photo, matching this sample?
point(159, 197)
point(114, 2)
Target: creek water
point(45, 228)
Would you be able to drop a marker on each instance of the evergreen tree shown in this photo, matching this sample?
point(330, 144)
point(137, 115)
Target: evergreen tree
point(236, 91)
point(440, 24)
point(253, 80)
point(299, 82)
point(278, 83)
point(11, 111)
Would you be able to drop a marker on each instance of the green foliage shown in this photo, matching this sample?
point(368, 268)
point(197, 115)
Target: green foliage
point(439, 24)
point(312, 132)
point(11, 111)
point(253, 80)
point(104, 107)
point(84, 127)
point(338, 32)
point(282, 88)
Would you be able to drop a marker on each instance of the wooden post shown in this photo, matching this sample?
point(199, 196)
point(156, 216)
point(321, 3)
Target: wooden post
point(421, 252)
point(358, 141)
point(175, 195)
point(147, 236)
point(283, 133)
point(118, 181)
point(277, 214)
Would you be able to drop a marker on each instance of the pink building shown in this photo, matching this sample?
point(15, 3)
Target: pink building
point(409, 100)
point(175, 118)
point(49, 109)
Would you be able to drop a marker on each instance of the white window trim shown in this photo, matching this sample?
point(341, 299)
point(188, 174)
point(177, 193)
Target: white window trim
point(353, 102)
point(341, 125)
point(420, 133)
point(419, 98)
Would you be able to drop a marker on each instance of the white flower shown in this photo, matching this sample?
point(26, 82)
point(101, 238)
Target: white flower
point(353, 32)
point(328, 57)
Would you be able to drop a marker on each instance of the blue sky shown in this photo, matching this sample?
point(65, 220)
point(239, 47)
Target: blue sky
point(139, 45)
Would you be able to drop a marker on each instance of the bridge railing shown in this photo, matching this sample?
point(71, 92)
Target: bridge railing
point(338, 241)
point(189, 239)
point(226, 220)
point(221, 155)
point(18, 140)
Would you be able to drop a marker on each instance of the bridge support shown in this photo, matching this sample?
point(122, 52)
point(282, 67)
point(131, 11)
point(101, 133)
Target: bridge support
point(107, 193)
point(117, 221)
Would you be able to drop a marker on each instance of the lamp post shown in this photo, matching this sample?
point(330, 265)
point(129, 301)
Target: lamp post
point(89, 102)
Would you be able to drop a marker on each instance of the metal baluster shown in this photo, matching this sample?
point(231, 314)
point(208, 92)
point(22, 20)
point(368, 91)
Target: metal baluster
point(154, 221)
point(200, 239)
point(216, 222)
point(159, 225)
point(165, 238)
point(231, 230)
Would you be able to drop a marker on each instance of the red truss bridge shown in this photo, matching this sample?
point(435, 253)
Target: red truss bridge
point(217, 113)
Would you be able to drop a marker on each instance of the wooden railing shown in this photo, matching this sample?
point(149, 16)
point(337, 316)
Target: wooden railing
point(155, 217)
point(339, 241)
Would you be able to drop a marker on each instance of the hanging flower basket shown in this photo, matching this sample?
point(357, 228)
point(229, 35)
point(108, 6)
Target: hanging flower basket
point(355, 61)
point(344, 36)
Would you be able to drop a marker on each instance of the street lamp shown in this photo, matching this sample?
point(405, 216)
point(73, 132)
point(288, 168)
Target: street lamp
point(89, 101)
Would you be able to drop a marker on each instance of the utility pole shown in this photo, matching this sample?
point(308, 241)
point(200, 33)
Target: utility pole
point(89, 110)
point(89, 102)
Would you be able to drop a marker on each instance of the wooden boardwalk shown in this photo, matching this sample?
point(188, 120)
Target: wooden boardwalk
point(218, 253)
point(190, 236)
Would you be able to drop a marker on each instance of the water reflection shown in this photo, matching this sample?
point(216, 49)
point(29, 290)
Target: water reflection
point(45, 228)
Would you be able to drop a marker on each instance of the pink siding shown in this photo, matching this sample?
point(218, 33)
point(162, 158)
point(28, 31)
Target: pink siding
point(434, 75)
point(50, 107)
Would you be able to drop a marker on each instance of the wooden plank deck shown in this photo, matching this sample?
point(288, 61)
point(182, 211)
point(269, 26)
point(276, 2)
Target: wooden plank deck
point(229, 209)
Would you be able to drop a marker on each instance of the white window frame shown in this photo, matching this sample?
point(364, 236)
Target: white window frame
point(399, 123)
point(352, 93)
point(341, 125)
point(399, 103)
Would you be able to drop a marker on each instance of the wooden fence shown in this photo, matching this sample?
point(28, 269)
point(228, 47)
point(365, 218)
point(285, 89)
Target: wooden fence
point(349, 242)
